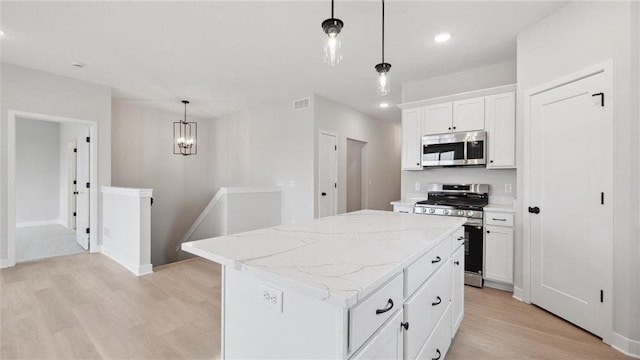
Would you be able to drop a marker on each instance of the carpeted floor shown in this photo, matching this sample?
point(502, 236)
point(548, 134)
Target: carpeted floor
point(39, 242)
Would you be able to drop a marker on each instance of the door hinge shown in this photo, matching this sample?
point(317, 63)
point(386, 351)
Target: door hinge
point(75, 150)
point(88, 230)
point(335, 147)
point(74, 213)
point(88, 139)
point(88, 185)
point(601, 98)
point(601, 296)
point(335, 185)
point(75, 182)
point(602, 198)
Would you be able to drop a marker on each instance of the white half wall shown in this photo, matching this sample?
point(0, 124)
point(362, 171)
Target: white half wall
point(39, 92)
point(143, 158)
point(37, 174)
point(381, 158)
point(579, 35)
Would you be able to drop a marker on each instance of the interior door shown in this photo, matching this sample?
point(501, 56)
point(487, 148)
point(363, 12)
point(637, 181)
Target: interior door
point(571, 182)
point(72, 185)
point(327, 175)
point(82, 193)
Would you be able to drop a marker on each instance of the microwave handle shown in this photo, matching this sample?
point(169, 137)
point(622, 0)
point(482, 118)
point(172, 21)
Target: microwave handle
point(466, 145)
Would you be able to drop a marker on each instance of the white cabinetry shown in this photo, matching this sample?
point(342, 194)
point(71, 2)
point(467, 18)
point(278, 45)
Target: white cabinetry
point(403, 208)
point(498, 257)
point(501, 126)
point(468, 115)
point(386, 344)
point(412, 139)
point(437, 119)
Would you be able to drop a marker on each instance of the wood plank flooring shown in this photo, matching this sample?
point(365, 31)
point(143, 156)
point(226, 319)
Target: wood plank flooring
point(88, 307)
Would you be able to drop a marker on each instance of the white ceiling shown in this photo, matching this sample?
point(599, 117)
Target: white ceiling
point(227, 56)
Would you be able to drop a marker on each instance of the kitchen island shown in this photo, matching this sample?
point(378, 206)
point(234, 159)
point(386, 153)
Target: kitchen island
point(367, 284)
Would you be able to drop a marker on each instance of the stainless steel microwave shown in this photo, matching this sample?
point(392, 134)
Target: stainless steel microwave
point(456, 149)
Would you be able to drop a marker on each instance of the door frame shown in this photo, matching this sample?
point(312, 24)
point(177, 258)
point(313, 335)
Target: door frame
point(13, 116)
point(607, 69)
point(337, 166)
point(364, 173)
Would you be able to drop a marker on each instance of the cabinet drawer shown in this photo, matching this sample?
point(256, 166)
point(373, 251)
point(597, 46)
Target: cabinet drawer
point(370, 314)
point(499, 219)
point(457, 239)
point(422, 268)
point(440, 340)
point(403, 209)
point(423, 310)
point(386, 344)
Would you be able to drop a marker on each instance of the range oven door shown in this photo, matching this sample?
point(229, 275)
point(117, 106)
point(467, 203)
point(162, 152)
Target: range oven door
point(473, 252)
point(454, 149)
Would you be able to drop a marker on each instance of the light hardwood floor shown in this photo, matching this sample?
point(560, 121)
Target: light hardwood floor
point(87, 307)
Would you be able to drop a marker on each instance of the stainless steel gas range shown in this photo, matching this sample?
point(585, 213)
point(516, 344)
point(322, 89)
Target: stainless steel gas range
point(461, 200)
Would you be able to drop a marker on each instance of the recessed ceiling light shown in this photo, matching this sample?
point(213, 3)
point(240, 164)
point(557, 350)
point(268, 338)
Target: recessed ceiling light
point(384, 105)
point(78, 65)
point(440, 38)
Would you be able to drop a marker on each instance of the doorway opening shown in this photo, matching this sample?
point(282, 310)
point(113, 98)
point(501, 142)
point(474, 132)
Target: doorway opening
point(356, 183)
point(52, 207)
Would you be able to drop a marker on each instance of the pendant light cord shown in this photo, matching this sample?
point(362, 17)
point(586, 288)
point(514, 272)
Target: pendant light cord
point(185, 113)
point(332, 9)
point(382, 31)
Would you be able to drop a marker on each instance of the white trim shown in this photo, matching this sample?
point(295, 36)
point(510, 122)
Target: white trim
point(518, 294)
point(251, 189)
point(335, 192)
point(498, 285)
point(25, 224)
point(459, 96)
point(12, 117)
point(131, 192)
point(4, 263)
point(136, 270)
point(625, 345)
point(607, 68)
point(145, 269)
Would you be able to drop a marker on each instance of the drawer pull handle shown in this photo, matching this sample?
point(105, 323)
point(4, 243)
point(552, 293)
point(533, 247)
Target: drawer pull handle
point(438, 301)
point(389, 307)
point(437, 260)
point(405, 325)
point(437, 354)
point(496, 219)
point(457, 262)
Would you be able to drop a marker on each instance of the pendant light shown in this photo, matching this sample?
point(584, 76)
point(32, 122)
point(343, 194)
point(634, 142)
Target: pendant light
point(333, 46)
point(383, 68)
point(185, 135)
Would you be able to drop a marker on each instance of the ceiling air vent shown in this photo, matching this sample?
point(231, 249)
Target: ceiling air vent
point(301, 104)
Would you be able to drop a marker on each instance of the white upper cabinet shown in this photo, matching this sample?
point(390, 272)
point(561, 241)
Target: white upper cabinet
point(468, 115)
point(412, 139)
point(437, 119)
point(500, 117)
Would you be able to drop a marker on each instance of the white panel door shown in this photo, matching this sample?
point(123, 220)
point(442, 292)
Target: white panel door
point(82, 196)
point(327, 175)
point(468, 115)
point(571, 233)
point(498, 250)
point(500, 121)
point(412, 139)
point(72, 184)
point(437, 119)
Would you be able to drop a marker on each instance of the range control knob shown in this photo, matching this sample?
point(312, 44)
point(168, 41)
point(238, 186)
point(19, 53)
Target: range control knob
point(445, 212)
point(470, 214)
point(461, 212)
point(431, 211)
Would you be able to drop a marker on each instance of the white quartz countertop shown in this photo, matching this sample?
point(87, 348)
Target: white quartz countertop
point(338, 259)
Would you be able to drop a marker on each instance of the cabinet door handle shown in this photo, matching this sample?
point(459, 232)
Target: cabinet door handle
point(436, 260)
point(438, 301)
point(491, 161)
point(389, 307)
point(449, 128)
point(488, 232)
point(457, 262)
point(418, 164)
point(438, 355)
point(405, 325)
point(496, 219)
point(461, 238)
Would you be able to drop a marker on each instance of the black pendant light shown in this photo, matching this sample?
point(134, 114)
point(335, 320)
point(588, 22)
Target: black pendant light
point(333, 46)
point(185, 135)
point(383, 68)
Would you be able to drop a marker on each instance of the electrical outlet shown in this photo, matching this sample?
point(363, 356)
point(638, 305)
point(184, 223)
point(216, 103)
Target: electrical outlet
point(417, 186)
point(507, 188)
point(271, 297)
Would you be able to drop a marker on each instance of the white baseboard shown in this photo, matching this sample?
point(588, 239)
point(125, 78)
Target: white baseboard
point(498, 285)
point(518, 294)
point(137, 270)
point(4, 263)
point(145, 269)
point(25, 224)
point(626, 346)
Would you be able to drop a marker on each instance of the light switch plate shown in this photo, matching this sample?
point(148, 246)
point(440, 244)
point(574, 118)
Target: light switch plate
point(507, 188)
point(271, 297)
point(417, 187)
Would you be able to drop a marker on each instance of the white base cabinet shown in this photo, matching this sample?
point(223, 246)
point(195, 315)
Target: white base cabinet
point(498, 248)
point(386, 344)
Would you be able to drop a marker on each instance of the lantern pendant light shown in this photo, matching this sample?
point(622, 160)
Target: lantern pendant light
point(333, 45)
point(185, 135)
point(383, 68)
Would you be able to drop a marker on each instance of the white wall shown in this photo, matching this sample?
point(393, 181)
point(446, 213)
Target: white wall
point(381, 153)
point(576, 36)
point(37, 171)
point(67, 132)
point(464, 81)
point(143, 158)
point(35, 91)
point(269, 145)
